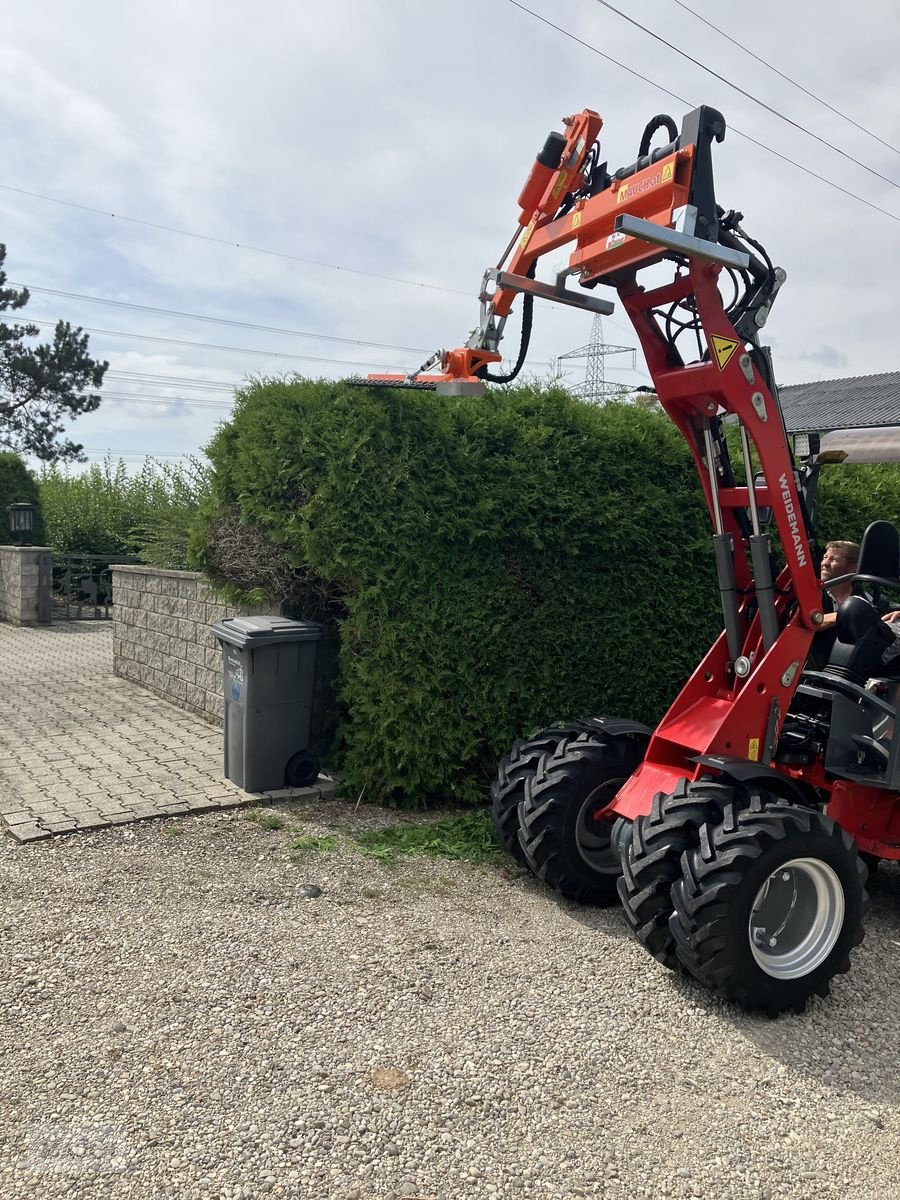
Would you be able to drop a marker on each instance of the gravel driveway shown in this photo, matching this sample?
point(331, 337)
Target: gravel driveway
point(178, 1019)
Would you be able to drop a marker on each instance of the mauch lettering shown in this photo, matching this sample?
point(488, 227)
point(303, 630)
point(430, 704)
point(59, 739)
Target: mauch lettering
point(635, 189)
point(793, 522)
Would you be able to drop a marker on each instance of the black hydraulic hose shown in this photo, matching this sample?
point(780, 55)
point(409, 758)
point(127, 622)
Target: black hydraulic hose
point(662, 121)
point(527, 314)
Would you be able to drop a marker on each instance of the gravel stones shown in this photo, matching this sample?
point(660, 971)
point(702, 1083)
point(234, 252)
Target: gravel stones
point(176, 1020)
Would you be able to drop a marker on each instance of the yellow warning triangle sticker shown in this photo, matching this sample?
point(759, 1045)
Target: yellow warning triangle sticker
point(723, 348)
point(667, 173)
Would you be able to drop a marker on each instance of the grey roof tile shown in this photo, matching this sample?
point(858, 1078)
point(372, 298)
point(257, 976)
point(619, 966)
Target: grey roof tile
point(865, 401)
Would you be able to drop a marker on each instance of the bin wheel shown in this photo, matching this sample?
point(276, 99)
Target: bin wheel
point(302, 770)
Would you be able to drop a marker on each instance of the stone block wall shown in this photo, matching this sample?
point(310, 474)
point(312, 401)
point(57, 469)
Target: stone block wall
point(162, 639)
point(25, 584)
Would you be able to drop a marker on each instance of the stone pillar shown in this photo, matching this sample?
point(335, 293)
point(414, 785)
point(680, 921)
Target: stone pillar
point(26, 581)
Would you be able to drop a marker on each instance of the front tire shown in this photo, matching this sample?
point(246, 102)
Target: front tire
point(513, 769)
point(563, 829)
point(769, 905)
point(653, 860)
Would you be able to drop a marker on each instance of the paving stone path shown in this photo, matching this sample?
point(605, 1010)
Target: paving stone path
point(82, 749)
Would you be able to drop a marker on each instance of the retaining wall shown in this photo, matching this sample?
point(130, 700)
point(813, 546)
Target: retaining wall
point(162, 639)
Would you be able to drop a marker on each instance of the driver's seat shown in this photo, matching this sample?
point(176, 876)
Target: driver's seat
point(879, 554)
point(862, 638)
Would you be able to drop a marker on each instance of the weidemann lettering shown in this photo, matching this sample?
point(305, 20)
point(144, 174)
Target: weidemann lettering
point(793, 522)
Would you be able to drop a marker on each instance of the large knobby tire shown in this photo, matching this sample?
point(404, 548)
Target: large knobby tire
point(563, 833)
point(770, 904)
point(652, 863)
point(508, 788)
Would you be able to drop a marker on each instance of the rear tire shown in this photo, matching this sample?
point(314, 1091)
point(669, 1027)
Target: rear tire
point(566, 842)
point(508, 789)
point(653, 862)
point(770, 905)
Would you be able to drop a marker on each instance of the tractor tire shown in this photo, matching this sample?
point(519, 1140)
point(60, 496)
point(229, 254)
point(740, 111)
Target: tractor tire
point(769, 905)
point(653, 860)
point(565, 846)
point(508, 788)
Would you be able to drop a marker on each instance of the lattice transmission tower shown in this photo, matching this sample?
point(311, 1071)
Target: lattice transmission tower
point(596, 388)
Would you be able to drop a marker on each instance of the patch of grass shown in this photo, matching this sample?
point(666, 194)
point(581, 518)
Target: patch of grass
point(469, 838)
point(173, 830)
point(308, 844)
point(265, 820)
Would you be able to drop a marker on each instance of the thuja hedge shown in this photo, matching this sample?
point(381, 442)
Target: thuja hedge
point(493, 563)
point(850, 498)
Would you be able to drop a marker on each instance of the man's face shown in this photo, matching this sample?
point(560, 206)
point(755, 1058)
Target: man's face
point(834, 563)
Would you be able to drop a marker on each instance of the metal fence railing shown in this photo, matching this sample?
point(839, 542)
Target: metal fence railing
point(82, 586)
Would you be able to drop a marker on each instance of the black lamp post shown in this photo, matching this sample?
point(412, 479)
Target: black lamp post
point(21, 520)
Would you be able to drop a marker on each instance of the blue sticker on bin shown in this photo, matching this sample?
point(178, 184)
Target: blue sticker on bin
point(235, 691)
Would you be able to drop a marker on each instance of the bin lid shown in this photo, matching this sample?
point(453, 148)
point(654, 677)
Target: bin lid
point(254, 631)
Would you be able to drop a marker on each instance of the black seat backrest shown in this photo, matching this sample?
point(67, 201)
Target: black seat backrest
point(862, 638)
point(879, 553)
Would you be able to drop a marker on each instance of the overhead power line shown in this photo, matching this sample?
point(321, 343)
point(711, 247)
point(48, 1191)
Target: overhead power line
point(682, 100)
point(147, 379)
point(94, 451)
point(174, 312)
point(748, 95)
point(789, 79)
point(206, 237)
point(146, 337)
point(184, 401)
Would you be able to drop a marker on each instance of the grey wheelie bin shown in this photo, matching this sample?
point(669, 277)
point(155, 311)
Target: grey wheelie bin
point(269, 676)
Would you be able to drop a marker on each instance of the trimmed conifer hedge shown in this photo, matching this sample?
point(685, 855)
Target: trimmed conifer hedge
point(491, 563)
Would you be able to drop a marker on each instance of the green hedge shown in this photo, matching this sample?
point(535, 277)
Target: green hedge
point(104, 509)
point(17, 484)
point(494, 563)
point(850, 498)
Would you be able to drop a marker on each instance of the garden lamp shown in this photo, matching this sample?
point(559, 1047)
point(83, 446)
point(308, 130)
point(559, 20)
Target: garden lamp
point(21, 519)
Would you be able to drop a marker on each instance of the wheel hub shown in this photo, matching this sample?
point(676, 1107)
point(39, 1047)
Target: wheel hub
point(796, 918)
point(594, 828)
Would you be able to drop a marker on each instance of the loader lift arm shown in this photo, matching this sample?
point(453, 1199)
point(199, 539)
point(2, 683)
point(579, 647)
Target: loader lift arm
point(662, 207)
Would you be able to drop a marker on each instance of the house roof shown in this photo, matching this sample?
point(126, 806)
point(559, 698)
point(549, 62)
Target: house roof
point(863, 402)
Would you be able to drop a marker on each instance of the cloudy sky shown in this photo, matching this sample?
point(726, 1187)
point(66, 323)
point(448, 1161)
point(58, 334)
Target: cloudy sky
point(341, 174)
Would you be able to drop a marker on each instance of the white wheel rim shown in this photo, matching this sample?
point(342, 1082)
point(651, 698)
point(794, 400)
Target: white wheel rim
point(796, 918)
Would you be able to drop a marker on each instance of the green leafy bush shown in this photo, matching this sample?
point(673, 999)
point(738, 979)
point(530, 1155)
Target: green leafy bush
point(17, 484)
point(850, 498)
point(104, 510)
point(492, 563)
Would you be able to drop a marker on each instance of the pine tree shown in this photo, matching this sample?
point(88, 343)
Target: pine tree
point(43, 387)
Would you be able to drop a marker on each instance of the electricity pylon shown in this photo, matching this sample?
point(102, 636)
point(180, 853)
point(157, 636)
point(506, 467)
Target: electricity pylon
point(596, 388)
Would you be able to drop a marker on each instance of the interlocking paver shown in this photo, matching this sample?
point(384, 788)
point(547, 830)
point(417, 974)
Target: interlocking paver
point(82, 749)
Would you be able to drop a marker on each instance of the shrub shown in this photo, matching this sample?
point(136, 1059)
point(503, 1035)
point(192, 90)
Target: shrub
point(17, 484)
point(104, 510)
point(492, 563)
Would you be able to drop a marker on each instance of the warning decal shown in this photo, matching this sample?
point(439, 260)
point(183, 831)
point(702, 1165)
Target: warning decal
point(560, 184)
point(753, 749)
point(722, 349)
point(667, 172)
point(576, 219)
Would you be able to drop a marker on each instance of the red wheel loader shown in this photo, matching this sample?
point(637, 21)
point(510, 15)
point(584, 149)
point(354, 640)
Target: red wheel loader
point(736, 834)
